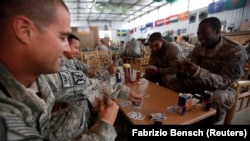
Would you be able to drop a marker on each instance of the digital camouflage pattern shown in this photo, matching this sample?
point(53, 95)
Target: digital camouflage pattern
point(24, 114)
point(220, 67)
point(27, 114)
point(75, 64)
point(70, 87)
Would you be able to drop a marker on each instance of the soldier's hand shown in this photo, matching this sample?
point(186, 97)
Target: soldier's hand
point(107, 112)
point(112, 69)
point(189, 66)
point(151, 70)
point(134, 97)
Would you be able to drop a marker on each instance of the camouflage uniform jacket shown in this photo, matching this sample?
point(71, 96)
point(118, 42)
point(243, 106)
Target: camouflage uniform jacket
point(220, 66)
point(166, 59)
point(118, 90)
point(71, 87)
point(24, 115)
point(74, 64)
point(27, 115)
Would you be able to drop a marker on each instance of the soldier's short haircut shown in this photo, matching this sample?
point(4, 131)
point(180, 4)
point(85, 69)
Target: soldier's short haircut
point(41, 12)
point(213, 21)
point(71, 36)
point(155, 36)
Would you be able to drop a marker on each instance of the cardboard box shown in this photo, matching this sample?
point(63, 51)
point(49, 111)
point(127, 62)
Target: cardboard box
point(245, 26)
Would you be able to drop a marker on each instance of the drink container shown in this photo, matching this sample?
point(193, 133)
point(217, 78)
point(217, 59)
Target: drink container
point(182, 104)
point(207, 100)
point(127, 72)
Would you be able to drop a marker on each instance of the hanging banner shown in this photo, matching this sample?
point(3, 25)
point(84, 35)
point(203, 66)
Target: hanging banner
point(143, 29)
point(150, 25)
point(135, 29)
point(216, 7)
point(121, 32)
point(159, 22)
point(234, 4)
point(173, 18)
point(167, 21)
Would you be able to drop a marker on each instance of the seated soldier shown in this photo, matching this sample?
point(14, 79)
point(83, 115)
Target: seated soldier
point(75, 90)
point(163, 59)
point(214, 65)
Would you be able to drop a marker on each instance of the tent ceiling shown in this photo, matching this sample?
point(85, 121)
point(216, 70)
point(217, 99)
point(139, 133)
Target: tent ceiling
point(110, 10)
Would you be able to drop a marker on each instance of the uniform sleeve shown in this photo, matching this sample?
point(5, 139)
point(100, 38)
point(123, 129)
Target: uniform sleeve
point(152, 60)
point(231, 70)
point(172, 55)
point(100, 131)
point(74, 123)
point(13, 127)
point(120, 91)
point(81, 66)
point(3, 134)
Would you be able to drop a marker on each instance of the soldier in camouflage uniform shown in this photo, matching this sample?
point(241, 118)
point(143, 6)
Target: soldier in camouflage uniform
point(73, 53)
point(29, 110)
point(163, 59)
point(73, 91)
point(212, 66)
point(70, 61)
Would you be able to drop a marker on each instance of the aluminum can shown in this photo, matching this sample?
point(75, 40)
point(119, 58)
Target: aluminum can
point(182, 104)
point(207, 100)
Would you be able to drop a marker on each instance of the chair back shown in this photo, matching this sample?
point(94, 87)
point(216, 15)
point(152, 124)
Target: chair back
point(104, 58)
point(242, 99)
point(246, 68)
point(91, 59)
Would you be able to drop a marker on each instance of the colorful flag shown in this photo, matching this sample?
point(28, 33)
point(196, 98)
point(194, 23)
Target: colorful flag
point(173, 18)
point(121, 32)
point(216, 7)
point(149, 25)
point(159, 22)
point(167, 21)
point(234, 4)
point(143, 29)
point(135, 29)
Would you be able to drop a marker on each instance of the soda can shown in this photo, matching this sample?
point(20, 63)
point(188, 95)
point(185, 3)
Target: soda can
point(207, 100)
point(182, 104)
